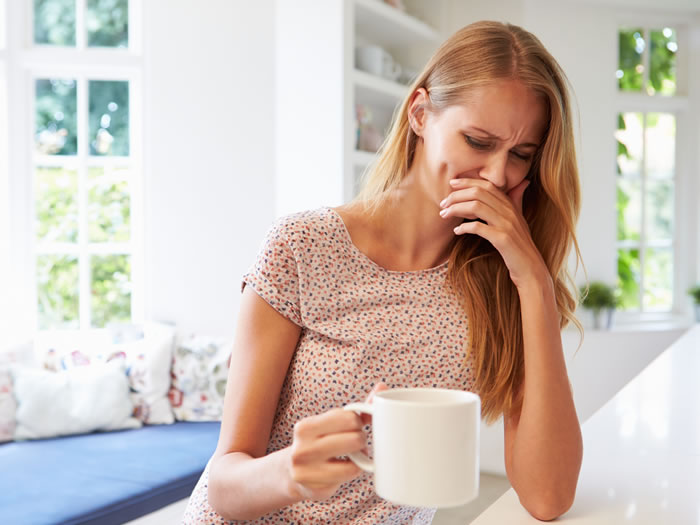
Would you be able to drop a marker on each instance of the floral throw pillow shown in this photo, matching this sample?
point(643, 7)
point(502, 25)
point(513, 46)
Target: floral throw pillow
point(199, 371)
point(147, 360)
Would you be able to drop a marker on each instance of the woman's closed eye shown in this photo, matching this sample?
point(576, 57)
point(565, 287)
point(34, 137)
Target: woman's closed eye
point(477, 144)
point(522, 156)
point(485, 146)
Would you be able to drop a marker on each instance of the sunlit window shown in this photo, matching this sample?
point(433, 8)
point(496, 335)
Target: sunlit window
point(646, 169)
point(83, 171)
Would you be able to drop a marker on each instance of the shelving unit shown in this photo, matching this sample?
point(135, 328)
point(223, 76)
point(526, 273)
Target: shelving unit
point(377, 91)
point(389, 27)
point(400, 33)
point(318, 87)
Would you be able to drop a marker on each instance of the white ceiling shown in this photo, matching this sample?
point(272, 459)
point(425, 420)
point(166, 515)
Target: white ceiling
point(661, 5)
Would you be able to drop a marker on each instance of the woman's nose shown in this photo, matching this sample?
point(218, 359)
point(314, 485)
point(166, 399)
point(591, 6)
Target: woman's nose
point(494, 169)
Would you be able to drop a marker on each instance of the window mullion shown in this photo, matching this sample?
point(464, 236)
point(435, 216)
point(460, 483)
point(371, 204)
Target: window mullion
point(84, 256)
point(80, 27)
point(643, 228)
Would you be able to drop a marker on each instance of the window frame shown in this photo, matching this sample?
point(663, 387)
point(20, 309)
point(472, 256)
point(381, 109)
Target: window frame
point(27, 62)
point(680, 105)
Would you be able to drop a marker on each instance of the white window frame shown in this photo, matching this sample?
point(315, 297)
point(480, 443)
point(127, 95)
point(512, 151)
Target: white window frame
point(27, 62)
point(680, 105)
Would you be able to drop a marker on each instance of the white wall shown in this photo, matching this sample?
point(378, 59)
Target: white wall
point(209, 155)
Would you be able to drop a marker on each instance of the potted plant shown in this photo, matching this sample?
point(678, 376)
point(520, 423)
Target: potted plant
point(694, 292)
point(599, 297)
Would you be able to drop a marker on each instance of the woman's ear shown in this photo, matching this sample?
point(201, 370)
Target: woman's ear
point(416, 111)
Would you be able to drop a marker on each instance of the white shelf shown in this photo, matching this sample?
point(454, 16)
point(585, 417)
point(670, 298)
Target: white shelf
point(363, 158)
point(389, 27)
point(370, 89)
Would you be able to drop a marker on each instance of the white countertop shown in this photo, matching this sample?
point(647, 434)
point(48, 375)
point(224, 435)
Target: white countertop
point(641, 451)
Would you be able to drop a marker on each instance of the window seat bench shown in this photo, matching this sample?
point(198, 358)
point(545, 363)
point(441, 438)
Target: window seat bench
point(102, 478)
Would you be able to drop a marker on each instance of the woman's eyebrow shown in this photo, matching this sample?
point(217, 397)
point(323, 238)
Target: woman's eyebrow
point(491, 135)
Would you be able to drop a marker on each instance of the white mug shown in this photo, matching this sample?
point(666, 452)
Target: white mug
point(377, 61)
point(426, 446)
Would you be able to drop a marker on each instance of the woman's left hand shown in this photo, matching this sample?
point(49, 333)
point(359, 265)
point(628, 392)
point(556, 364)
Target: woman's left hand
point(505, 228)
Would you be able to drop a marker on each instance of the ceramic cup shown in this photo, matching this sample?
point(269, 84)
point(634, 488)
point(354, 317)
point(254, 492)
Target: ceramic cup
point(377, 61)
point(425, 446)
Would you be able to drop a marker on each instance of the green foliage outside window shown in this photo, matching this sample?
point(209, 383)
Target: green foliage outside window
point(57, 291)
point(54, 22)
point(630, 73)
point(111, 289)
point(109, 117)
point(107, 23)
point(56, 116)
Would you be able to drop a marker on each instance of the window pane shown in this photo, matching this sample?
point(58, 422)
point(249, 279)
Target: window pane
point(629, 209)
point(56, 122)
point(57, 279)
point(629, 134)
point(109, 117)
point(659, 212)
point(660, 145)
point(54, 22)
point(630, 70)
point(111, 289)
point(662, 59)
point(658, 279)
point(628, 278)
point(56, 204)
point(107, 23)
point(108, 206)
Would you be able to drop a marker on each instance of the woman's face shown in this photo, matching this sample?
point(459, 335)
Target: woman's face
point(493, 136)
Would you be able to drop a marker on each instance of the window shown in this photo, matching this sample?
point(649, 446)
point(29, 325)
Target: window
point(646, 167)
point(85, 169)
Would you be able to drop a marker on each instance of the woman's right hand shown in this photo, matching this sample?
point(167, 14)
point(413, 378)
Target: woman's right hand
point(313, 464)
point(313, 461)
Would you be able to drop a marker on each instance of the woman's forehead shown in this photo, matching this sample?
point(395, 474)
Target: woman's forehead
point(503, 111)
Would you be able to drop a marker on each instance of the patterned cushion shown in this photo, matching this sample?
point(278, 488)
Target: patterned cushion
point(147, 363)
point(199, 371)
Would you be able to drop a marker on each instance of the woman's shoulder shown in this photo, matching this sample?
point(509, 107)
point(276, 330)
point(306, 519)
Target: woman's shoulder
point(306, 226)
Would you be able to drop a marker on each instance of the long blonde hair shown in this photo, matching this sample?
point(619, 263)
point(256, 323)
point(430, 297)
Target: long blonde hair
point(476, 56)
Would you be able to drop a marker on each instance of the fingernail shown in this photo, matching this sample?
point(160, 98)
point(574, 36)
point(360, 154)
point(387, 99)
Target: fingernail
point(443, 212)
point(443, 203)
point(454, 182)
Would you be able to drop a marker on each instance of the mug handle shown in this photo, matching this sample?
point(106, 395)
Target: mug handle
point(358, 458)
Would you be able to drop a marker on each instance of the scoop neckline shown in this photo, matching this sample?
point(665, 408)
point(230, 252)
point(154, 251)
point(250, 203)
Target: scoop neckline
point(361, 254)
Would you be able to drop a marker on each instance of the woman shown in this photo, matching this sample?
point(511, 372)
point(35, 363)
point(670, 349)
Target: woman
point(449, 271)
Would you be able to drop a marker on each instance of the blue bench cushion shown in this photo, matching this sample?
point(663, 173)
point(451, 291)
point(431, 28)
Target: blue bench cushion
point(102, 478)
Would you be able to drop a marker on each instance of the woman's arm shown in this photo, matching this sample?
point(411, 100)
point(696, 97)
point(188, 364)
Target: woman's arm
point(543, 444)
point(244, 483)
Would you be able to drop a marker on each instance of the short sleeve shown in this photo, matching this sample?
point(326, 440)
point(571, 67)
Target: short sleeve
point(274, 275)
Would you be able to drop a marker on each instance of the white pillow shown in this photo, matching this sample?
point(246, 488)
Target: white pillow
point(147, 359)
point(80, 400)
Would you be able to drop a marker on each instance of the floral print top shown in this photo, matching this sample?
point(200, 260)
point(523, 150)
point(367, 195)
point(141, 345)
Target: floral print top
point(360, 324)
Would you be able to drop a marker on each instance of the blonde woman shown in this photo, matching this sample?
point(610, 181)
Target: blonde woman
point(447, 271)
